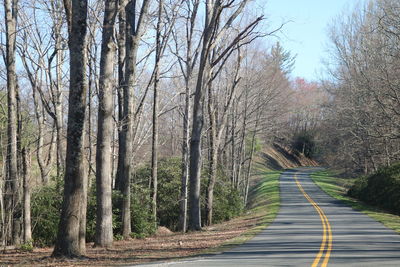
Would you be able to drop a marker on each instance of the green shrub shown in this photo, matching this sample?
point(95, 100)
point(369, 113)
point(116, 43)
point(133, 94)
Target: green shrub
point(169, 180)
point(47, 202)
point(118, 237)
point(227, 204)
point(169, 193)
point(91, 215)
point(27, 246)
point(46, 208)
point(381, 189)
point(142, 218)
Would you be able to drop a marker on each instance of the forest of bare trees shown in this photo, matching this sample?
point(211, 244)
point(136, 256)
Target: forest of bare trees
point(361, 126)
point(120, 116)
point(95, 91)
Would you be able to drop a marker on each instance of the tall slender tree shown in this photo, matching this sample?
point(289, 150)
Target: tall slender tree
point(133, 31)
point(12, 203)
point(68, 237)
point(104, 234)
point(154, 149)
point(187, 62)
point(27, 194)
point(214, 30)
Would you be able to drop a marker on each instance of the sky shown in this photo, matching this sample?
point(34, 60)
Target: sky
point(306, 35)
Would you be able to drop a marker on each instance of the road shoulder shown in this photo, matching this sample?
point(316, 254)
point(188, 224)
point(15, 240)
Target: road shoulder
point(337, 188)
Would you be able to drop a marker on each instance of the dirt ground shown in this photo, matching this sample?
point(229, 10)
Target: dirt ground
point(165, 245)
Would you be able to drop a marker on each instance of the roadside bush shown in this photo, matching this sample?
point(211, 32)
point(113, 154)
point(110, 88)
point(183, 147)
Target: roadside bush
point(142, 218)
point(45, 209)
point(169, 193)
point(381, 189)
point(227, 203)
point(47, 203)
point(169, 180)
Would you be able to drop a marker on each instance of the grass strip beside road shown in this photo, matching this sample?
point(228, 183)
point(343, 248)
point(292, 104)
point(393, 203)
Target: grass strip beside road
point(337, 188)
point(264, 204)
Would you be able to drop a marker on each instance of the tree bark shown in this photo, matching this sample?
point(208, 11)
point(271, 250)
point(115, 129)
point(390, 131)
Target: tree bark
point(104, 234)
point(252, 150)
point(187, 69)
point(195, 151)
point(12, 199)
point(154, 149)
point(27, 195)
point(198, 120)
point(58, 92)
point(185, 162)
point(120, 93)
point(213, 157)
point(133, 35)
point(68, 237)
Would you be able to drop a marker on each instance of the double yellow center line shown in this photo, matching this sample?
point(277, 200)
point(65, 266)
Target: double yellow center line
point(326, 244)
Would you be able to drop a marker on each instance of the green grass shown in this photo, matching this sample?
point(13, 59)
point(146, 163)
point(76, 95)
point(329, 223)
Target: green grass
point(337, 188)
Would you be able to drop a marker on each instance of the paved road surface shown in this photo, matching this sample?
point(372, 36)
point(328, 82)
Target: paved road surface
point(311, 229)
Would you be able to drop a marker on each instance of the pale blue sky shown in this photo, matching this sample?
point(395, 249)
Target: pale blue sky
point(306, 34)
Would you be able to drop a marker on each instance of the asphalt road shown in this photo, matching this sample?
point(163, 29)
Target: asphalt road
point(311, 229)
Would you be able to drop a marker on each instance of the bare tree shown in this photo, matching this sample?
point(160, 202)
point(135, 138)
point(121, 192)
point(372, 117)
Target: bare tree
point(69, 233)
point(217, 129)
point(362, 119)
point(134, 31)
point(212, 33)
point(12, 200)
point(187, 63)
point(104, 234)
point(154, 147)
point(27, 195)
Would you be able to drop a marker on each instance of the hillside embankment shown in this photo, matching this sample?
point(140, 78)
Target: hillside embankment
point(280, 157)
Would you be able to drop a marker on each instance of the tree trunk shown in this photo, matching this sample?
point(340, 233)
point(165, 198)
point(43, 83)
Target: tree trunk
point(195, 150)
point(104, 234)
point(83, 205)
point(185, 163)
point(69, 232)
point(252, 150)
point(188, 70)
point(198, 120)
point(154, 149)
point(215, 136)
point(27, 195)
point(133, 35)
point(59, 95)
point(213, 157)
point(44, 165)
point(120, 93)
point(12, 199)
point(185, 159)
point(233, 148)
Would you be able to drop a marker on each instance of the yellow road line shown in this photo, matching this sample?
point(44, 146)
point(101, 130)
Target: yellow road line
point(327, 231)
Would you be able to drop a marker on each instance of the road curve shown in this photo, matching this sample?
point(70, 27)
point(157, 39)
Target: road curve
point(311, 229)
